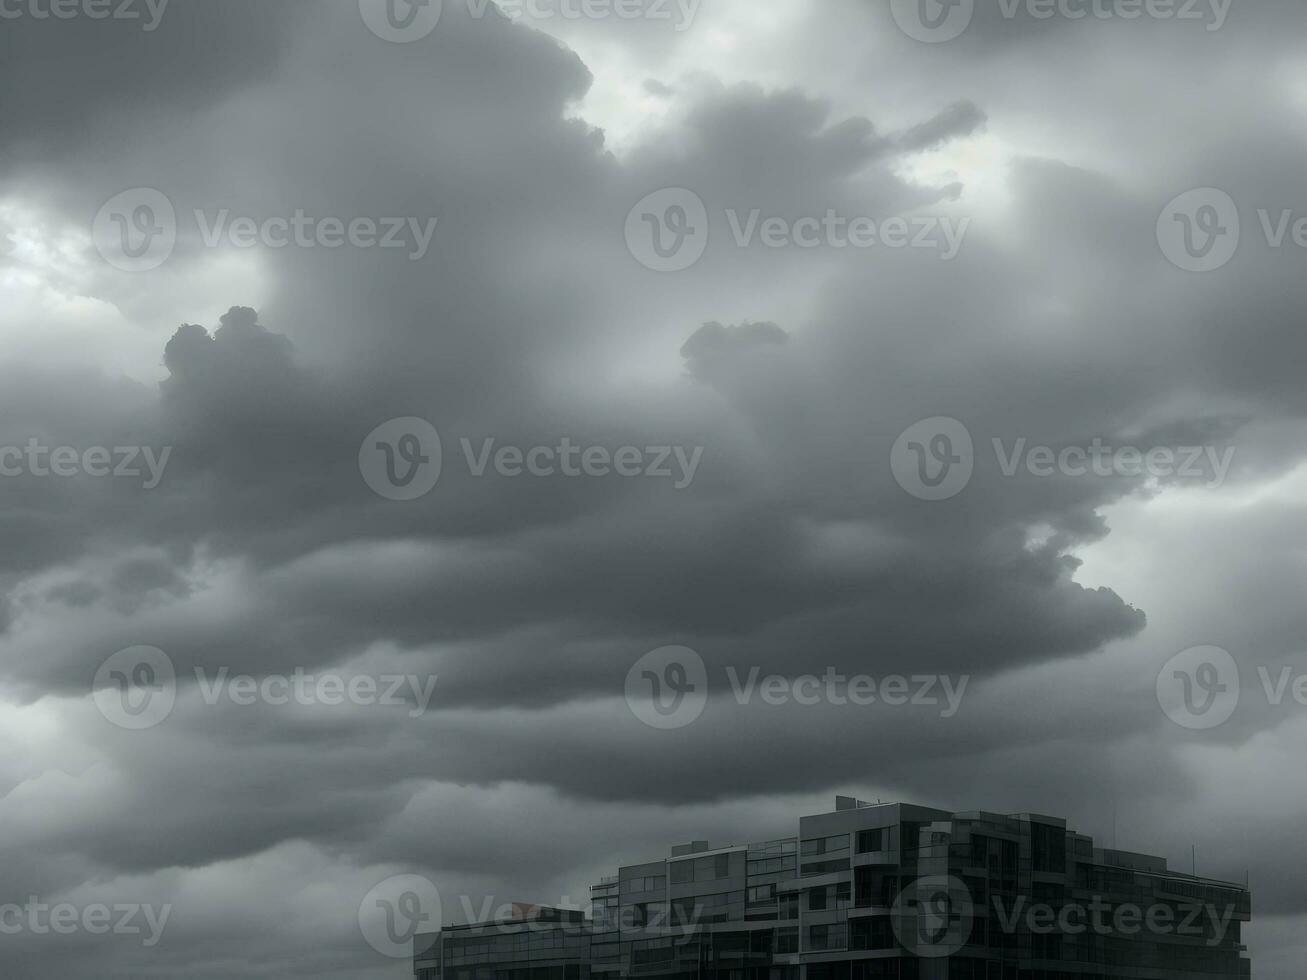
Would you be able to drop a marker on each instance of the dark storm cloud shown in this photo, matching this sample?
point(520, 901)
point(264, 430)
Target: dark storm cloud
point(792, 551)
point(264, 446)
point(93, 84)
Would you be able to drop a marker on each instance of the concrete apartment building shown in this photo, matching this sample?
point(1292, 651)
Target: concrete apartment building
point(873, 892)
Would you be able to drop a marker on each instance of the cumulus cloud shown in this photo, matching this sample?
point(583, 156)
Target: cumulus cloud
point(787, 373)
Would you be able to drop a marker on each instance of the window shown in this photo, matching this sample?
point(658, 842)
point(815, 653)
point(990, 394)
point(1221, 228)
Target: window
point(645, 914)
point(682, 872)
point(1046, 947)
point(709, 908)
point(842, 891)
point(711, 868)
point(652, 951)
point(1048, 846)
point(826, 937)
point(648, 883)
point(826, 867)
point(910, 837)
point(1009, 857)
point(771, 847)
point(872, 932)
point(834, 849)
point(825, 845)
point(816, 899)
point(770, 865)
point(1046, 893)
point(873, 840)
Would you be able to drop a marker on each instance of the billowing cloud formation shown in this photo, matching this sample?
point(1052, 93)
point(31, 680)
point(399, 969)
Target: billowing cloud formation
point(780, 542)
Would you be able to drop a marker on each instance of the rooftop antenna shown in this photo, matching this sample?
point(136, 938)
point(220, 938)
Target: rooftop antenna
point(1195, 860)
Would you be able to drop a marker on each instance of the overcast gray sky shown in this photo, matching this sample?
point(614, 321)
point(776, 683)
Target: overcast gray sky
point(755, 243)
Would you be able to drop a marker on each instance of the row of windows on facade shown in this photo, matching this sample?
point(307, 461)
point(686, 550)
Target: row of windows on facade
point(716, 867)
point(896, 968)
point(711, 868)
point(564, 971)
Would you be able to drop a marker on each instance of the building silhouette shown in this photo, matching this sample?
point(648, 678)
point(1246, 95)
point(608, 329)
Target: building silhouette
point(873, 892)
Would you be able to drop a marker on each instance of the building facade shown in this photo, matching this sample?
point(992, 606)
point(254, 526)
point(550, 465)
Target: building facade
point(873, 892)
